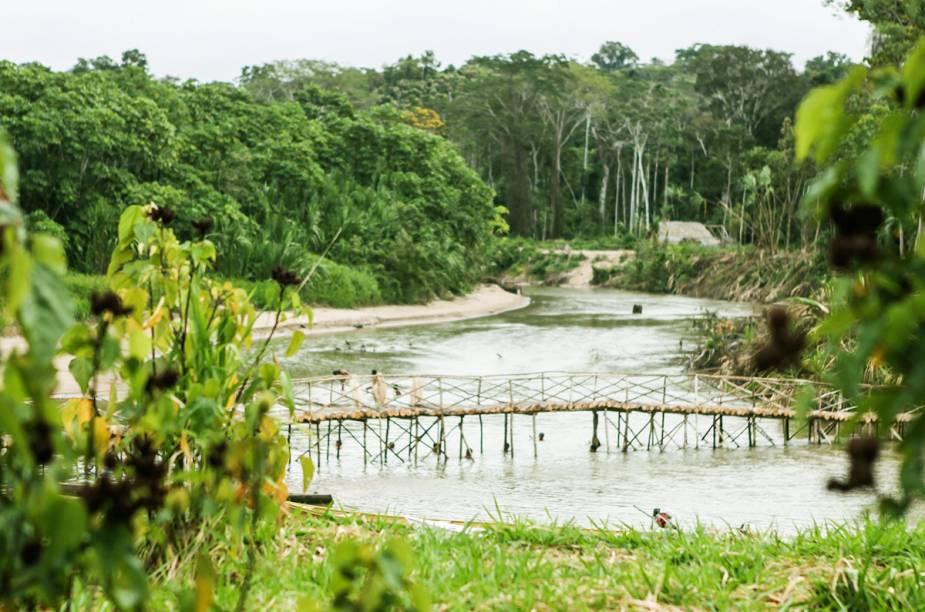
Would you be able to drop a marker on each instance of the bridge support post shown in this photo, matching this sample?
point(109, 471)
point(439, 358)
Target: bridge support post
point(340, 442)
point(533, 424)
point(417, 438)
point(318, 444)
point(626, 431)
point(505, 446)
point(786, 431)
point(327, 446)
point(365, 427)
point(385, 445)
point(619, 422)
point(607, 430)
point(481, 435)
point(595, 443)
point(462, 437)
point(661, 436)
point(441, 445)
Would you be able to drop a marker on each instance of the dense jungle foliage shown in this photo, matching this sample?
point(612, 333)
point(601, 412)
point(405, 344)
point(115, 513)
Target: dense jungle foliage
point(281, 179)
point(610, 146)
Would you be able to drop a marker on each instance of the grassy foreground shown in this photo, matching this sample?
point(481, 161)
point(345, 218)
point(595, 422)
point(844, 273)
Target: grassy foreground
point(520, 565)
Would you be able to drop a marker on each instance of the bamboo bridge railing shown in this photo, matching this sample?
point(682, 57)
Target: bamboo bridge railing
point(418, 406)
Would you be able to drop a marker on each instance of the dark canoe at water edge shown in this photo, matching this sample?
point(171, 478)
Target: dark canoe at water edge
point(315, 499)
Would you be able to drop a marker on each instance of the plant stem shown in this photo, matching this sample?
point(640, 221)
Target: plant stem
point(263, 348)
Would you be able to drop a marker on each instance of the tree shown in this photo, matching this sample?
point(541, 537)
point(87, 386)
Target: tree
point(752, 88)
point(897, 25)
point(613, 56)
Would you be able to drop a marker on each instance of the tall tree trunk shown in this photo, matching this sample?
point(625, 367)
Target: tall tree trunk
point(644, 175)
point(555, 194)
point(633, 191)
point(665, 189)
point(617, 187)
point(584, 165)
point(602, 196)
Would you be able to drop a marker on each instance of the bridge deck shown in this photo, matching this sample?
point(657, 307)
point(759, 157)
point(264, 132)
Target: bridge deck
point(346, 404)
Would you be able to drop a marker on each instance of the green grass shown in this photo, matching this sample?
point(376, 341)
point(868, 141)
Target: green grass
point(522, 565)
point(332, 285)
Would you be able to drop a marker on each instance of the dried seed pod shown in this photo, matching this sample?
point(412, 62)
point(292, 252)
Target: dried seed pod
point(163, 215)
point(216, 457)
point(863, 454)
point(285, 277)
point(31, 552)
point(784, 347)
point(40, 443)
point(108, 301)
point(203, 226)
point(166, 379)
point(855, 240)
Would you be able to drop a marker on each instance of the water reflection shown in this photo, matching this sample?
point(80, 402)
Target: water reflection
point(564, 330)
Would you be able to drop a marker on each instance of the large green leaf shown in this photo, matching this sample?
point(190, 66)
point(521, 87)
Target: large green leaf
point(46, 312)
point(821, 119)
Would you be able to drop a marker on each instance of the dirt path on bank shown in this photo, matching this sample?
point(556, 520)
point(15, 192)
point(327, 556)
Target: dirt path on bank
point(582, 275)
point(485, 300)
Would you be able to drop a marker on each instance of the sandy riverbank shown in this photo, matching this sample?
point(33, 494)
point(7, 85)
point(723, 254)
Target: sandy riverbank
point(486, 300)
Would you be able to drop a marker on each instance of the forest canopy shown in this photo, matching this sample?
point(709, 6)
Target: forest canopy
point(609, 146)
point(280, 178)
point(413, 166)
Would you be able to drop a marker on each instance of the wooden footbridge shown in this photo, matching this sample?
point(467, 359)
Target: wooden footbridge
point(405, 418)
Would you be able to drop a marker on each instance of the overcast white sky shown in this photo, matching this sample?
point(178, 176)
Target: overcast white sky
point(213, 39)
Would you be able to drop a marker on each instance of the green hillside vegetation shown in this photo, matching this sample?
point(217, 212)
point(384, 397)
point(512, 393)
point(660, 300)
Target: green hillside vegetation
point(280, 179)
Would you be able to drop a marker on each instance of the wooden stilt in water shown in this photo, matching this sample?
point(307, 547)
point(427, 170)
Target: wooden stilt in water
point(442, 442)
point(504, 451)
point(533, 424)
point(481, 434)
point(511, 434)
point(685, 431)
point(327, 446)
point(626, 432)
point(661, 438)
point(595, 443)
point(318, 444)
point(417, 438)
point(385, 446)
point(607, 431)
point(411, 423)
point(365, 425)
point(619, 419)
point(289, 441)
point(786, 431)
point(461, 437)
point(340, 442)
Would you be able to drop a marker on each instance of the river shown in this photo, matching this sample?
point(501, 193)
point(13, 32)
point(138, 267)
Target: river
point(581, 330)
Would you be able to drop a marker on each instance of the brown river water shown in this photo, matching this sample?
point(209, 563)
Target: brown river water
point(570, 330)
